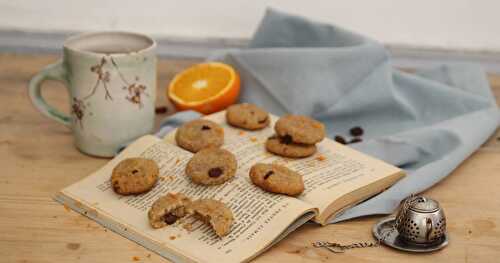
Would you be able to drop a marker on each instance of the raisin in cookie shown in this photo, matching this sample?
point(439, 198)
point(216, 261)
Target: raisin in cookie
point(198, 134)
point(247, 116)
point(211, 166)
point(167, 209)
point(134, 176)
point(276, 179)
point(301, 129)
point(215, 213)
point(283, 146)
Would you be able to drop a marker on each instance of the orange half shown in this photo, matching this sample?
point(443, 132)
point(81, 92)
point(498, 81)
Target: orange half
point(206, 88)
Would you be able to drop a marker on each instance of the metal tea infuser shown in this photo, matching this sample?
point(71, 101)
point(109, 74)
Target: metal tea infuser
point(420, 226)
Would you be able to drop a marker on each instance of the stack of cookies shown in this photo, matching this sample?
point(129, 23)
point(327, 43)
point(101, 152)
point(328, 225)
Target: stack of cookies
point(296, 136)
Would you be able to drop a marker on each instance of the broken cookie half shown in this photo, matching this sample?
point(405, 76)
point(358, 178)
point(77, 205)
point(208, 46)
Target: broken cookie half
point(215, 213)
point(171, 207)
point(167, 209)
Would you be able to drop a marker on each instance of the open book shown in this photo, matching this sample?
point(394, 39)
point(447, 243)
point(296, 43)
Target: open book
point(335, 178)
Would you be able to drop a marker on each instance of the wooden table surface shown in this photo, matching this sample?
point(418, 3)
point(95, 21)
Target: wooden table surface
point(37, 158)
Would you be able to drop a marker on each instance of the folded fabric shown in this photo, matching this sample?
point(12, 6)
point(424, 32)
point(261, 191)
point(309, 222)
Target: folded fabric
point(426, 122)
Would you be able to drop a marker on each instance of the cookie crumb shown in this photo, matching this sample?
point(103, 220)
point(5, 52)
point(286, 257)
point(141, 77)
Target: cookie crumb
point(172, 237)
point(148, 256)
point(66, 207)
point(188, 227)
point(241, 133)
point(320, 158)
point(177, 161)
point(135, 258)
point(253, 139)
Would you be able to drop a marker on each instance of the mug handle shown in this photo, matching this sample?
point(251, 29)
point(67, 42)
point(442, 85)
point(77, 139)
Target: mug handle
point(54, 71)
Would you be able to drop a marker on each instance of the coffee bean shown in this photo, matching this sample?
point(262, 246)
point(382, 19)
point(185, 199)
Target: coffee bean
point(205, 127)
point(268, 174)
point(170, 218)
point(287, 139)
point(340, 139)
point(215, 172)
point(161, 110)
point(356, 131)
point(355, 140)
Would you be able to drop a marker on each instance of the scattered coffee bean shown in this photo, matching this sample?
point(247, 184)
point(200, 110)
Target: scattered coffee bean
point(287, 139)
point(355, 140)
point(170, 218)
point(215, 172)
point(340, 139)
point(161, 110)
point(268, 174)
point(205, 127)
point(356, 131)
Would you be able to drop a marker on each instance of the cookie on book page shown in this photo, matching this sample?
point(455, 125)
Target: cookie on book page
point(211, 166)
point(283, 146)
point(198, 134)
point(301, 129)
point(168, 209)
point(277, 179)
point(247, 116)
point(134, 176)
point(215, 213)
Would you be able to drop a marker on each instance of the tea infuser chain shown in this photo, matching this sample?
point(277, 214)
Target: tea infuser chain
point(339, 248)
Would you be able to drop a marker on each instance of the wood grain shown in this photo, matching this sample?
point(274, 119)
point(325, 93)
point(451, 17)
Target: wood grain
point(37, 159)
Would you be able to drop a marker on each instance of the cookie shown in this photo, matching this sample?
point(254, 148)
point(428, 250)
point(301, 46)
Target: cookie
point(134, 176)
point(215, 213)
point(167, 209)
point(211, 166)
point(247, 116)
point(198, 134)
point(276, 179)
point(301, 129)
point(283, 146)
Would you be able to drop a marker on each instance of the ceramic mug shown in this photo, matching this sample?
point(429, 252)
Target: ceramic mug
point(111, 78)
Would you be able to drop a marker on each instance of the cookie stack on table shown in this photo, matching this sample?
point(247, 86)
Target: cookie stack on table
point(296, 136)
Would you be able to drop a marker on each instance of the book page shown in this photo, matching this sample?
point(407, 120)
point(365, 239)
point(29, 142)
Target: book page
point(334, 171)
point(259, 217)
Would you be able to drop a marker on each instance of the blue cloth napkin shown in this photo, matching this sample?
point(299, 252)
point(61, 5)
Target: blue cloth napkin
point(427, 122)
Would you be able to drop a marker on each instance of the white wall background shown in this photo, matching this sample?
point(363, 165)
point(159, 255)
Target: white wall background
point(452, 24)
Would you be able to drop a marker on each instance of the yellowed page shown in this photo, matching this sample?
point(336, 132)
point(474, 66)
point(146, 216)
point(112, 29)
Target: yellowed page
point(335, 170)
point(259, 217)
